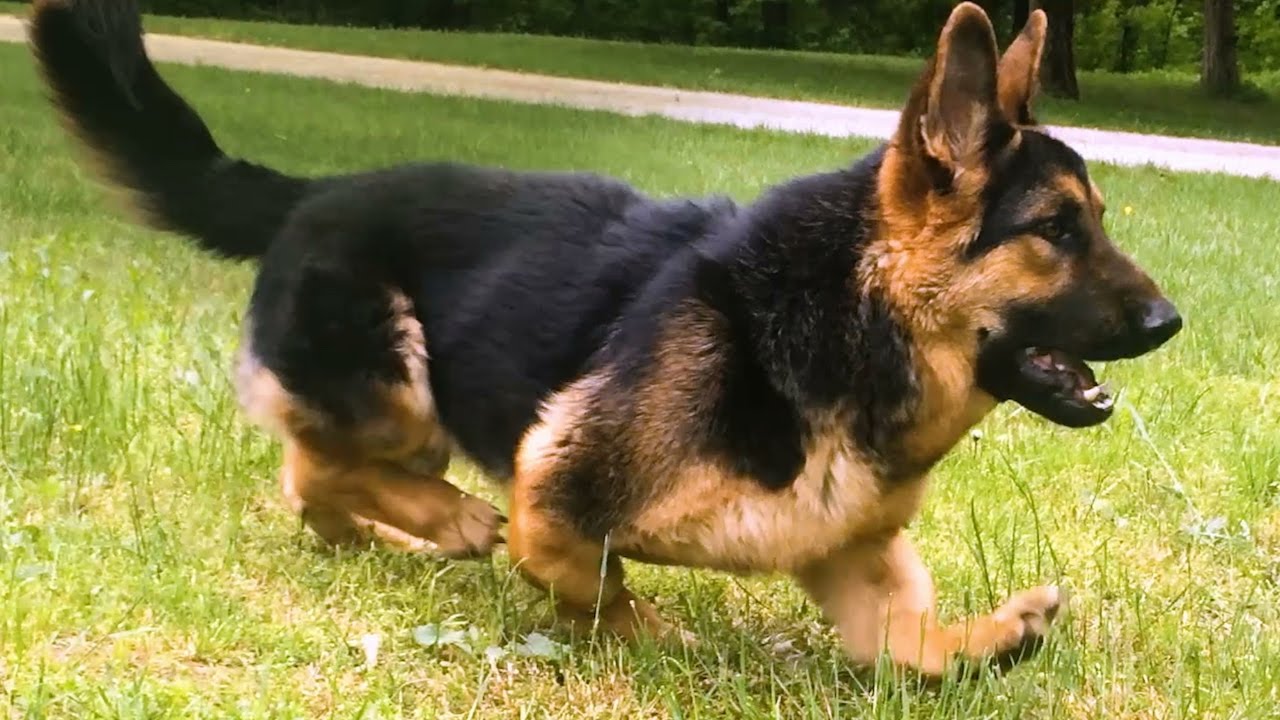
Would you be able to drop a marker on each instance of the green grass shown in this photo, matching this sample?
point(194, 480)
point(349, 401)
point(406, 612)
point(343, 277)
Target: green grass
point(150, 570)
point(1154, 102)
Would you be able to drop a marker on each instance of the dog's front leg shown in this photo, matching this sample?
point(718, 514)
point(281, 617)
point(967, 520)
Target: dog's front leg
point(881, 598)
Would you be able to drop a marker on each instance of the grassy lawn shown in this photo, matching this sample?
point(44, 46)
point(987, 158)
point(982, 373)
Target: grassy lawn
point(150, 569)
point(1158, 102)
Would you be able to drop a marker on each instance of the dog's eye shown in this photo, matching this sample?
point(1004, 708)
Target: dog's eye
point(1059, 233)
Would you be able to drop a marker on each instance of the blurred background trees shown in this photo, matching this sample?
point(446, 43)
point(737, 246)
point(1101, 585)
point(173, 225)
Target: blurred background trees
point(1219, 39)
point(1219, 70)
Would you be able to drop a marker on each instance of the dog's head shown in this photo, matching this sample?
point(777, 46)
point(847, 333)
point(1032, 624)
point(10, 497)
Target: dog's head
point(993, 239)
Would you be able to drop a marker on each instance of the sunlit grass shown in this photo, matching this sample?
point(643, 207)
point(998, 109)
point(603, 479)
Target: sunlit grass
point(150, 570)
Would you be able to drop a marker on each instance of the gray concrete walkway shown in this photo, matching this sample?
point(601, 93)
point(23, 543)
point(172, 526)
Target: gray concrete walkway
point(1182, 154)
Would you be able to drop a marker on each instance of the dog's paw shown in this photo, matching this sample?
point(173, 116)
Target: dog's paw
point(471, 532)
point(1021, 625)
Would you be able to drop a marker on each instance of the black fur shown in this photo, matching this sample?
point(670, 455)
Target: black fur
point(518, 325)
point(515, 278)
point(152, 141)
point(795, 340)
point(824, 344)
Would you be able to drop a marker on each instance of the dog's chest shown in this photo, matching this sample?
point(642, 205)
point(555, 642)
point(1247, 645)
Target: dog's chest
point(717, 520)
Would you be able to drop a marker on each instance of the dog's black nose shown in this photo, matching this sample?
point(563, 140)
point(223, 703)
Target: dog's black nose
point(1160, 321)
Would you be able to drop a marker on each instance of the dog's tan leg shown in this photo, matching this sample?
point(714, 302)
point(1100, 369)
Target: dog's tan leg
point(345, 502)
point(881, 598)
point(554, 557)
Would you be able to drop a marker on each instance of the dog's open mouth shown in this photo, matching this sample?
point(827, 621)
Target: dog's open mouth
point(1067, 375)
point(1050, 382)
point(1061, 387)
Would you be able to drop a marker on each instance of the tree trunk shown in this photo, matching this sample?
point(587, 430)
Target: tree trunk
point(1058, 68)
point(1021, 11)
point(1128, 44)
point(775, 17)
point(722, 11)
point(1219, 71)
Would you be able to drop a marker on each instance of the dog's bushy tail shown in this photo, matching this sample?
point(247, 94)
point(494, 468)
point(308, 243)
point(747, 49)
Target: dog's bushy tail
point(146, 137)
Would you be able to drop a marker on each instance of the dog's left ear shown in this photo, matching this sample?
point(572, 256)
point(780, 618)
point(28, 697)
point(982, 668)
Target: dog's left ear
point(960, 99)
point(1020, 70)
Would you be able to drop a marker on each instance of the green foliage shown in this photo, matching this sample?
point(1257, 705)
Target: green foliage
point(1136, 35)
point(1260, 36)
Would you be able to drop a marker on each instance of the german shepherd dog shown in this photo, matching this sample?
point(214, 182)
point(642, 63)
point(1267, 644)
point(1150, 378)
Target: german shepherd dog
point(756, 388)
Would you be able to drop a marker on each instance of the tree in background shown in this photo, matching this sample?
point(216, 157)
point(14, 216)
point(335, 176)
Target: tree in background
point(775, 18)
point(1219, 70)
point(1058, 69)
point(722, 11)
point(1021, 11)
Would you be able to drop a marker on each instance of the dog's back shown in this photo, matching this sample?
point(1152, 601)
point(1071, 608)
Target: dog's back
point(515, 278)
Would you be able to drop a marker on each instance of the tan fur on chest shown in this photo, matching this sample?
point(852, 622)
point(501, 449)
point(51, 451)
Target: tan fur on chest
point(711, 518)
point(950, 404)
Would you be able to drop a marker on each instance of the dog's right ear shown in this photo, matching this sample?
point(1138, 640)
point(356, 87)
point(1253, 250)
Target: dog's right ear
point(954, 105)
point(1020, 70)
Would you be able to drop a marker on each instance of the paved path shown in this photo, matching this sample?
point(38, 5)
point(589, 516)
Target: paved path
point(1183, 154)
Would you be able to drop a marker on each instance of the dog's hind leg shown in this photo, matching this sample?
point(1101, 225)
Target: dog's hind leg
point(341, 379)
point(348, 503)
point(881, 598)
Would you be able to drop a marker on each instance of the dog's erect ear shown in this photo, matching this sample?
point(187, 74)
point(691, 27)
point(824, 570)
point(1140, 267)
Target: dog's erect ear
point(1020, 70)
point(961, 101)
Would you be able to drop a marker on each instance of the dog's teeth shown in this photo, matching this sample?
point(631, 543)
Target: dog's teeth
point(1099, 395)
point(1059, 367)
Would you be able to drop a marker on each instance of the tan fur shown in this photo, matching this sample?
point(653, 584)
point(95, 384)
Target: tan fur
point(1099, 203)
point(879, 595)
point(1019, 72)
point(543, 444)
point(549, 553)
point(406, 429)
point(950, 403)
point(1070, 186)
point(717, 520)
point(345, 503)
point(700, 514)
point(382, 479)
